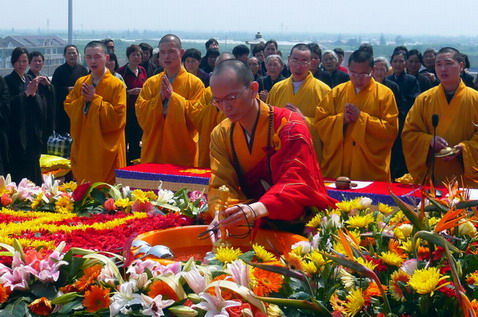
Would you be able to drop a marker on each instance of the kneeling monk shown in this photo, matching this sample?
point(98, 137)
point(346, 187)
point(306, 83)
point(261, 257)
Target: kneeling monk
point(261, 153)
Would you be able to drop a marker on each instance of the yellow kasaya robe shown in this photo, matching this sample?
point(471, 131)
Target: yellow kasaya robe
point(205, 118)
point(361, 150)
point(98, 135)
point(456, 125)
point(309, 95)
point(169, 139)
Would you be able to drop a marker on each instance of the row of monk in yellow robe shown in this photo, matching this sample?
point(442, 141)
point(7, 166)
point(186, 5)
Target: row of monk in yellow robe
point(353, 126)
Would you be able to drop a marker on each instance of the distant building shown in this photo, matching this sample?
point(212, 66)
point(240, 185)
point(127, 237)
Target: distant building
point(257, 40)
point(50, 46)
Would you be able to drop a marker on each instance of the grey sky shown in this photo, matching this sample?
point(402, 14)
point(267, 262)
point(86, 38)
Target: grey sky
point(406, 17)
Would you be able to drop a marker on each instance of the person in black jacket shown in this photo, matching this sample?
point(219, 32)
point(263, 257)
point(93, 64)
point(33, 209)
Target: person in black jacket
point(63, 80)
point(414, 62)
point(4, 127)
point(28, 117)
point(47, 93)
point(332, 76)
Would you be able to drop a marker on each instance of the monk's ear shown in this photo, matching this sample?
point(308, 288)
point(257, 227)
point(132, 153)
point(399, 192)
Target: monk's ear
point(181, 53)
point(254, 86)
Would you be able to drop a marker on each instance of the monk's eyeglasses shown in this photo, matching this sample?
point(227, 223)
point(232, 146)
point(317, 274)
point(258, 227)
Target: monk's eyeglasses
point(230, 98)
point(360, 75)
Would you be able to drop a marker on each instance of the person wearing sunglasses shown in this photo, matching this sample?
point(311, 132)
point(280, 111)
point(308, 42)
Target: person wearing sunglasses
point(357, 123)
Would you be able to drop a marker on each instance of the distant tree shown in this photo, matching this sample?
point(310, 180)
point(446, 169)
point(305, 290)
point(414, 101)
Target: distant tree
point(382, 40)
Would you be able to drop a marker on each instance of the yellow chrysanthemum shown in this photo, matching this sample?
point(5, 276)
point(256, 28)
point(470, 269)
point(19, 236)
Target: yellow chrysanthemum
point(316, 257)
point(472, 278)
point(348, 205)
point(37, 201)
point(433, 221)
point(294, 260)
point(68, 187)
point(406, 245)
point(314, 222)
point(426, 281)
point(397, 217)
point(297, 250)
point(64, 205)
point(347, 279)
point(274, 311)
point(397, 281)
point(354, 302)
point(263, 254)
point(151, 195)
point(309, 267)
point(360, 221)
point(368, 264)
point(227, 254)
point(123, 203)
point(139, 195)
point(385, 209)
point(391, 258)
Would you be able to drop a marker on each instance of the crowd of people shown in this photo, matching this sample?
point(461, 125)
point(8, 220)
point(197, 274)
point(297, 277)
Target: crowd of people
point(368, 120)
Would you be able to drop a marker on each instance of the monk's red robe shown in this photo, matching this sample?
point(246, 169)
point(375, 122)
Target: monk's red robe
point(291, 168)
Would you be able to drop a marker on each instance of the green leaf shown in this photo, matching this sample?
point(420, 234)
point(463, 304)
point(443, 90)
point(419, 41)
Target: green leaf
point(43, 290)
point(440, 207)
point(409, 212)
point(16, 309)
point(281, 270)
point(247, 256)
point(435, 238)
point(296, 303)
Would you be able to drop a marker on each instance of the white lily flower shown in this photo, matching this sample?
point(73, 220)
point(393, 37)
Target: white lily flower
point(215, 306)
point(239, 271)
point(125, 298)
point(195, 280)
point(154, 306)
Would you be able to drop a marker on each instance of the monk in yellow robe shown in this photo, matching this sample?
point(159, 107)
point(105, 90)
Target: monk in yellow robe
point(455, 108)
point(162, 109)
point(357, 123)
point(262, 154)
point(301, 89)
point(205, 118)
point(97, 110)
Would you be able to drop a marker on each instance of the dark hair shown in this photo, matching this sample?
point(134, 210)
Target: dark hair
point(467, 61)
point(243, 73)
point(107, 40)
point(300, 47)
point(339, 51)
point(146, 47)
point(171, 38)
point(68, 46)
point(35, 54)
point(272, 42)
point(133, 48)
point(430, 50)
point(96, 44)
point(211, 41)
point(16, 53)
point(398, 53)
point(240, 50)
point(361, 56)
point(457, 56)
point(417, 53)
point(192, 53)
point(366, 47)
point(212, 52)
point(315, 49)
point(258, 48)
point(115, 59)
point(400, 48)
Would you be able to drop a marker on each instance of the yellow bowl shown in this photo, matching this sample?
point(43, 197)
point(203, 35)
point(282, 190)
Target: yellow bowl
point(184, 241)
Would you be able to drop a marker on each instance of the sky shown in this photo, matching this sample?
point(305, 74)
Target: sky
point(406, 17)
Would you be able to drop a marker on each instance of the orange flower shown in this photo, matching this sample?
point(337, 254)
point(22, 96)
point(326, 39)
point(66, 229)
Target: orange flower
point(96, 298)
point(160, 287)
point(225, 293)
point(84, 283)
point(474, 305)
point(6, 200)
point(4, 293)
point(266, 282)
point(398, 280)
point(41, 306)
point(394, 246)
point(373, 290)
point(450, 220)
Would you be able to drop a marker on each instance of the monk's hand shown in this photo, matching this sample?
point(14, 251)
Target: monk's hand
point(166, 88)
point(458, 152)
point(32, 88)
point(437, 143)
point(243, 214)
point(353, 112)
point(134, 91)
point(263, 95)
point(88, 91)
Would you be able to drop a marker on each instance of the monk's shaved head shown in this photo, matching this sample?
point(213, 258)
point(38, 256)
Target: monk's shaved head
point(171, 38)
point(96, 44)
point(242, 72)
point(224, 57)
